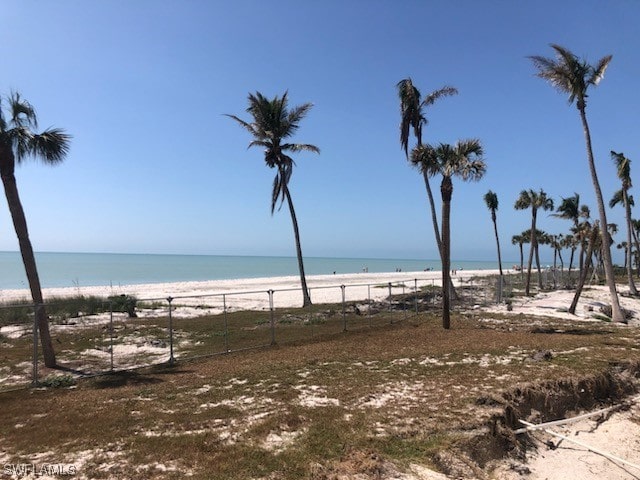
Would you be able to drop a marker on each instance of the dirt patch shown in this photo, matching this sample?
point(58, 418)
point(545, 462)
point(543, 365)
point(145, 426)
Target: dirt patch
point(537, 403)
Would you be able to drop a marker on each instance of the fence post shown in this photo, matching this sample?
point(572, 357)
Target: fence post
point(404, 302)
point(272, 318)
point(111, 334)
point(226, 323)
point(415, 288)
point(171, 358)
point(34, 381)
point(344, 316)
point(369, 303)
point(433, 289)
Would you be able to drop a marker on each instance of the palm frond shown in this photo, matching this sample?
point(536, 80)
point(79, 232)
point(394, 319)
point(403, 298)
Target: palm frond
point(23, 115)
point(617, 198)
point(491, 200)
point(623, 168)
point(599, 69)
point(300, 147)
point(410, 112)
point(426, 159)
point(446, 91)
point(51, 145)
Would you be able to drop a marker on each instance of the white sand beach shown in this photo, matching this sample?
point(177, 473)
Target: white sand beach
point(252, 293)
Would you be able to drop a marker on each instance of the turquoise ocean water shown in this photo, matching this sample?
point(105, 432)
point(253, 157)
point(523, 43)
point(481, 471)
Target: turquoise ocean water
point(88, 269)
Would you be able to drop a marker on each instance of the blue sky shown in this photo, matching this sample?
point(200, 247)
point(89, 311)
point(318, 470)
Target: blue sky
point(155, 166)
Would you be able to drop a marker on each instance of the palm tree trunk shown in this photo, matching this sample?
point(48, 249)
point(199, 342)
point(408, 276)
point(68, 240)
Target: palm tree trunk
point(627, 251)
point(306, 298)
point(538, 265)
point(495, 231)
point(436, 229)
point(446, 189)
point(532, 241)
point(29, 261)
point(521, 260)
point(616, 311)
point(635, 257)
point(584, 272)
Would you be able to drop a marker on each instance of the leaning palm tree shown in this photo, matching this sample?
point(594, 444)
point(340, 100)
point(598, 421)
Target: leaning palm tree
point(412, 108)
point(463, 160)
point(273, 123)
point(535, 201)
point(18, 142)
point(623, 168)
point(574, 76)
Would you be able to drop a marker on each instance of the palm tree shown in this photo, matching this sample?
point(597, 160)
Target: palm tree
point(273, 123)
point(464, 160)
point(535, 201)
point(623, 168)
point(491, 200)
point(413, 118)
point(573, 76)
point(520, 240)
point(17, 143)
point(570, 209)
point(591, 232)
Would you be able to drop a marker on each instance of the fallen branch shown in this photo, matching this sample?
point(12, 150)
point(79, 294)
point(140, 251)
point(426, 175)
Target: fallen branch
point(583, 445)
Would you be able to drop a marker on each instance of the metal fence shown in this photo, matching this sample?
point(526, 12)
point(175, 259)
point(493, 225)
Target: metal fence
point(112, 336)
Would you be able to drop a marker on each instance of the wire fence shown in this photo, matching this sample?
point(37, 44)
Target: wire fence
point(95, 335)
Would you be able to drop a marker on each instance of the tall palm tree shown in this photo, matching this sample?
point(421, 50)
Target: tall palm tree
point(412, 108)
point(623, 168)
point(535, 201)
point(491, 200)
point(18, 142)
point(463, 160)
point(574, 76)
point(272, 124)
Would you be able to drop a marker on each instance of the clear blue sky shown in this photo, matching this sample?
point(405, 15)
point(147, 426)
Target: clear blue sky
point(155, 167)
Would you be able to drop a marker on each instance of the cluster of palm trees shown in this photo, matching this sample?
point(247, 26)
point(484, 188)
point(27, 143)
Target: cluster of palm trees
point(273, 123)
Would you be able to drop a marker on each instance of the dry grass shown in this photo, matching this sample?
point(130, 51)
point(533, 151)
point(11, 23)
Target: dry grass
point(321, 406)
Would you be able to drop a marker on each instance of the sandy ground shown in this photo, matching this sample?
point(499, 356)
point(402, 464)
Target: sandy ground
point(618, 433)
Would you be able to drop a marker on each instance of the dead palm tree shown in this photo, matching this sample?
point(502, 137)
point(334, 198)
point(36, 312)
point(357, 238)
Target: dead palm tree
point(412, 112)
point(17, 143)
point(574, 76)
point(623, 168)
point(273, 123)
point(530, 199)
point(463, 160)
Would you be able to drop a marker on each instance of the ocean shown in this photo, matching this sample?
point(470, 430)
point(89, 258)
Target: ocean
point(93, 269)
